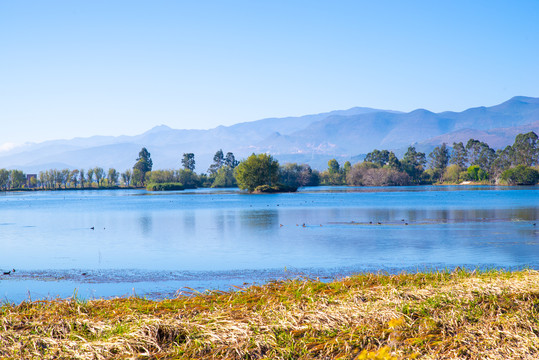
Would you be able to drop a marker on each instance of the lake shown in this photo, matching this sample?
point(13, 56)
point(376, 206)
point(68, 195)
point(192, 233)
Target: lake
point(124, 242)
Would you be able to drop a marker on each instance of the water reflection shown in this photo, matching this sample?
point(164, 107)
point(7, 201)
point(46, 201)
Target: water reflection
point(259, 219)
point(145, 223)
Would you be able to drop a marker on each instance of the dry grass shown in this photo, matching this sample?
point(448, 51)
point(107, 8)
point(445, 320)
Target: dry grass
point(444, 315)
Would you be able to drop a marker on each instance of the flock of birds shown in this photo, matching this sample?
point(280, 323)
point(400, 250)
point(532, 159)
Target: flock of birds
point(370, 223)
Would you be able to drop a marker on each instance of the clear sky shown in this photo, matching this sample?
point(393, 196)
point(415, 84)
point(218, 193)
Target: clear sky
point(101, 67)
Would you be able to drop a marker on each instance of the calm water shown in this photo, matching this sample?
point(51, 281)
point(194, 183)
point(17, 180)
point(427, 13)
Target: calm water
point(154, 244)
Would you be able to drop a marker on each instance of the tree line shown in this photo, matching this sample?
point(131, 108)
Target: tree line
point(474, 161)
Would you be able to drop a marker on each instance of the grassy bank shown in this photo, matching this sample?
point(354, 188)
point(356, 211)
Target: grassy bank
point(432, 316)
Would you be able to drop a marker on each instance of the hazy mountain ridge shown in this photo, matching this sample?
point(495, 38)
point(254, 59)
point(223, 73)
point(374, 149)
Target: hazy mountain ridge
point(343, 134)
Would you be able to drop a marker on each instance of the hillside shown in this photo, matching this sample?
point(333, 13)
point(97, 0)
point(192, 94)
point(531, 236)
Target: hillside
point(313, 139)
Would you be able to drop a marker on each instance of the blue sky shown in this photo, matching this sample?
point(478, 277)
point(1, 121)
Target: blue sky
point(82, 68)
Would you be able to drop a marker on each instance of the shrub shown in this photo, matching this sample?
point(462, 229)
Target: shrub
point(521, 175)
point(165, 187)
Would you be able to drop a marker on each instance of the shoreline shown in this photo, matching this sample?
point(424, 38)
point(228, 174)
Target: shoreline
point(465, 183)
point(445, 314)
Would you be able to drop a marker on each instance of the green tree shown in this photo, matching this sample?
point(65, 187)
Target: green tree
point(82, 177)
point(503, 161)
point(346, 167)
point(112, 177)
point(333, 166)
point(162, 176)
point(188, 161)
point(413, 164)
point(188, 178)
point(521, 175)
point(65, 177)
point(479, 153)
point(126, 177)
point(257, 170)
point(459, 156)
point(475, 173)
point(525, 149)
point(218, 162)
point(230, 160)
point(415, 158)
point(378, 157)
point(144, 164)
point(334, 175)
point(452, 173)
point(4, 179)
point(439, 159)
point(74, 177)
point(41, 178)
point(393, 162)
point(138, 177)
point(17, 179)
point(90, 177)
point(224, 178)
point(99, 175)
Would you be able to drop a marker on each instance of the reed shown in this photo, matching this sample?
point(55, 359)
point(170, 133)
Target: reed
point(439, 315)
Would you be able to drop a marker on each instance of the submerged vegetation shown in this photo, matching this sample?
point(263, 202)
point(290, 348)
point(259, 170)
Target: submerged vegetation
point(442, 315)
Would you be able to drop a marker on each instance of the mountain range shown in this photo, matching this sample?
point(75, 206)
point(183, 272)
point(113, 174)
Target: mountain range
point(313, 139)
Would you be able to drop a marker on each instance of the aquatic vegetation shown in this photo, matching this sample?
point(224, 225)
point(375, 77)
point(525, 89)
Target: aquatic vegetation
point(440, 315)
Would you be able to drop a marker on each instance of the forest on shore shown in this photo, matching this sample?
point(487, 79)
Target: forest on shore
point(473, 162)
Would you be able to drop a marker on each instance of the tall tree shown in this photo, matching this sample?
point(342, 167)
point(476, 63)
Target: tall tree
point(126, 177)
point(378, 157)
point(504, 160)
point(4, 178)
point(143, 165)
point(415, 158)
point(17, 179)
point(74, 177)
point(439, 158)
point(413, 163)
point(218, 162)
point(41, 176)
point(65, 177)
point(90, 176)
point(224, 178)
point(230, 160)
point(82, 177)
point(525, 149)
point(112, 177)
point(188, 161)
point(479, 153)
point(458, 155)
point(393, 162)
point(99, 175)
point(333, 166)
point(144, 161)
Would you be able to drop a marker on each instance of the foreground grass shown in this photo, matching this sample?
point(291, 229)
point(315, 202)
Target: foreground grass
point(428, 315)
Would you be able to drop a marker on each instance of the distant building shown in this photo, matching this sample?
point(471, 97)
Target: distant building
point(29, 182)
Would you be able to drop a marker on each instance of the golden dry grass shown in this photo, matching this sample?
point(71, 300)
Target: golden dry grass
point(443, 315)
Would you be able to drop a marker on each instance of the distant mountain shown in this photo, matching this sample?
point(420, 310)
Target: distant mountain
point(314, 139)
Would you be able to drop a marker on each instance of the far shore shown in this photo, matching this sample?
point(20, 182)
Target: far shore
point(102, 188)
